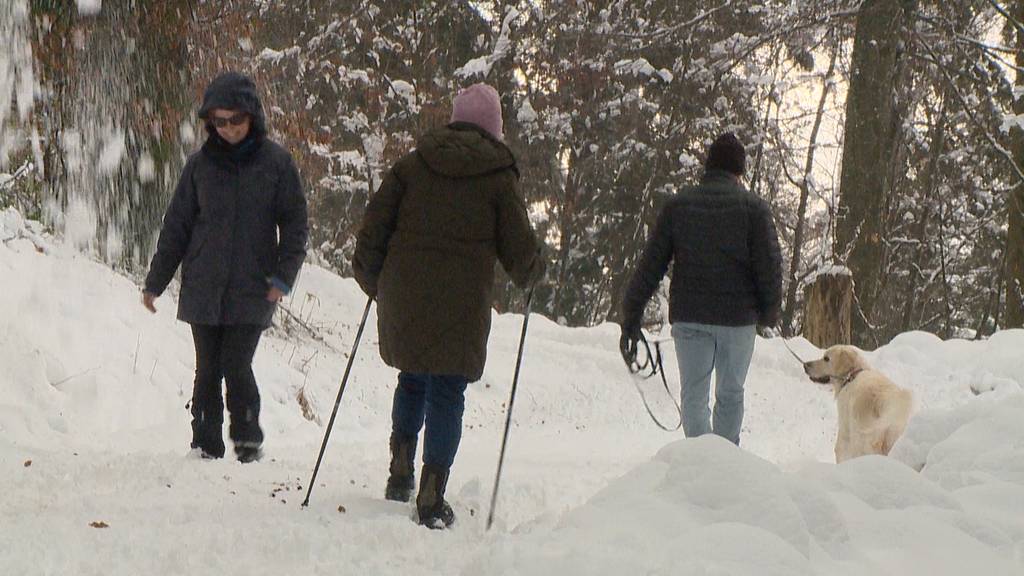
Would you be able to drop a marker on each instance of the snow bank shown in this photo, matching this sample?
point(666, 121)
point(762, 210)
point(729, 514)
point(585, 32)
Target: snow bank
point(93, 428)
point(705, 507)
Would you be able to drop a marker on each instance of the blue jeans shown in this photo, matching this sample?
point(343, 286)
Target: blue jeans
point(725, 350)
point(437, 401)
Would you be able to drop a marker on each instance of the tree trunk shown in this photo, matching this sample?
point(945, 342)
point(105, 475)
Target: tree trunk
point(1014, 272)
point(868, 150)
point(828, 307)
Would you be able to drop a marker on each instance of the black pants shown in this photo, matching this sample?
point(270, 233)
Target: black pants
point(225, 353)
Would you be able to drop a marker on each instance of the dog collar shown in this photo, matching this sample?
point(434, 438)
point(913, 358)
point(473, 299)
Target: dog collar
point(849, 378)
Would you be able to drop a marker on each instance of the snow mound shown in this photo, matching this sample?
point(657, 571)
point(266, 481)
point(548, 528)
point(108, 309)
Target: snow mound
point(706, 507)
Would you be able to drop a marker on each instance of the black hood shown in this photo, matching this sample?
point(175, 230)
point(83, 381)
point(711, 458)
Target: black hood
point(233, 91)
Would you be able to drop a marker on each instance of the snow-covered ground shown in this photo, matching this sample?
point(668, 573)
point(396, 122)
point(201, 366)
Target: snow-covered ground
point(94, 431)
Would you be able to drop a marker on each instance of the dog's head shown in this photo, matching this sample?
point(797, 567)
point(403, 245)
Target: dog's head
point(838, 362)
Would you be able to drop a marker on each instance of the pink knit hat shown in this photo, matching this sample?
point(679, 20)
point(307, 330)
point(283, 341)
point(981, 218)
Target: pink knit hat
point(479, 104)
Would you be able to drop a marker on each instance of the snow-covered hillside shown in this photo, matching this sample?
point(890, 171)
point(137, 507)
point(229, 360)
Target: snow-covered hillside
point(93, 429)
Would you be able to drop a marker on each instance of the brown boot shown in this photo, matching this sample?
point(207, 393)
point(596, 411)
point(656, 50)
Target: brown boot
point(434, 512)
point(402, 479)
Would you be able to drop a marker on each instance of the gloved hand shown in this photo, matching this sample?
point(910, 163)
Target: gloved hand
point(770, 320)
point(628, 343)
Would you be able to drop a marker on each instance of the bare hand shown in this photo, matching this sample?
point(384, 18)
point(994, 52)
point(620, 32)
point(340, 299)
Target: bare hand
point(148, 298)
point(274, 294)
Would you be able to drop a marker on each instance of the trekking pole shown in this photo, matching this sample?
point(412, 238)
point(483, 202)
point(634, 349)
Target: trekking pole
point(508, 417)
point(341, 391)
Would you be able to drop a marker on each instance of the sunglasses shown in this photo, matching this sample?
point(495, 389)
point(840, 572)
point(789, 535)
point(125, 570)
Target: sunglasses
point(236, 120)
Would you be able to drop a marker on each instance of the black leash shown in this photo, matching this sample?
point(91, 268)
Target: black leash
point(785, 343)
point(650, 368)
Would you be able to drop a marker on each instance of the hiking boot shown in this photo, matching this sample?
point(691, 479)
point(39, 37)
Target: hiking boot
point(208, 452)
point(432, 509)
point(197, 453)
point(401, 480)
point(247, 452)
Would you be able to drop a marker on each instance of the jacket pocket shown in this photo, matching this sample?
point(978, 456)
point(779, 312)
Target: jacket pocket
point(192, 254)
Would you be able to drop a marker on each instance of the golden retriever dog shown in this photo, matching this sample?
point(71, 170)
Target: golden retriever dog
point(873, 411)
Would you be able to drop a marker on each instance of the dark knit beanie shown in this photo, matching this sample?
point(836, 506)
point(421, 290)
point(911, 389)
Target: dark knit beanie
point(727, 153)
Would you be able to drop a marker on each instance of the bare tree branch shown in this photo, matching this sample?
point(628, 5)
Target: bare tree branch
point(830, 18)
point(1006, 14)
point(669, 30)
point(972, 114)
point(985, 45)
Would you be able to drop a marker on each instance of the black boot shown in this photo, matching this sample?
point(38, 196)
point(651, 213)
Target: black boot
point(205, 454)
point(402, 479)
point(207, 433)
point(247, 452)
point(434, 512)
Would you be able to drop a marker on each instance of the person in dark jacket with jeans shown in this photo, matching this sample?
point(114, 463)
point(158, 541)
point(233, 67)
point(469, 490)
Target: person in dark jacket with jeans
point(426, 250)
point(237, 225)
point(726, 279)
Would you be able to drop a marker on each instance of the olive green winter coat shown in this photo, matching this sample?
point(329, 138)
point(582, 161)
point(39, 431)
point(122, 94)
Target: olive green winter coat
point(428, 244)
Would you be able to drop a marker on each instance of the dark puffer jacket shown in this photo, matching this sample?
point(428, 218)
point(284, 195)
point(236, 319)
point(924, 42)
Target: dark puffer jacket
point(428, 245)
point(728, 266)
point(237, 223)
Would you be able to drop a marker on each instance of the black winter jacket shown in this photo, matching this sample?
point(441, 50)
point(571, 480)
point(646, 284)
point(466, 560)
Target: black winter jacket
point(727, 264)
point(237, 223)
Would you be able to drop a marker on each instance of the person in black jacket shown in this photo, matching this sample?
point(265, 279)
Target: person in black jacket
point(726, 279)
point(237, 225)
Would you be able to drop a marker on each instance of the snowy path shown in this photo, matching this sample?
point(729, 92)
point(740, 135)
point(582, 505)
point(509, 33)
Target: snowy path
point(92, 392)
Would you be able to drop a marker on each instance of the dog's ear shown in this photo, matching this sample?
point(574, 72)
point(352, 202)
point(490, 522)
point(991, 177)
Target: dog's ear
point(859, 361)
point(835, 359)
point(848, 360)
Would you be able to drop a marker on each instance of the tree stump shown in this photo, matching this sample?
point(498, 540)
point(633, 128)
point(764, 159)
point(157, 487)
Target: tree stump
point(828, 307)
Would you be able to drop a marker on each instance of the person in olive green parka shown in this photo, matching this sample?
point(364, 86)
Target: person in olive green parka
point(426, 250)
